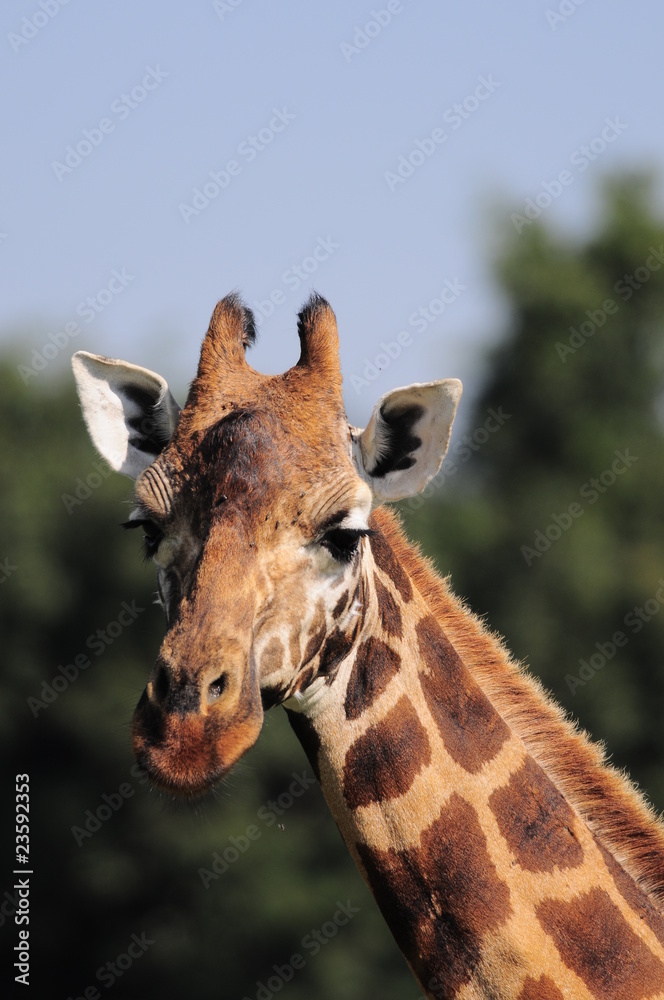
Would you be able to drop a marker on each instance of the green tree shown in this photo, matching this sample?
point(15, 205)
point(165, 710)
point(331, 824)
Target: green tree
point(549, 512)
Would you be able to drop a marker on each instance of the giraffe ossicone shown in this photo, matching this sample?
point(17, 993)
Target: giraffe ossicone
point(509, 860)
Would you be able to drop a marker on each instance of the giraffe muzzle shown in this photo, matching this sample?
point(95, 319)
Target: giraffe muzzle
point(188, 731)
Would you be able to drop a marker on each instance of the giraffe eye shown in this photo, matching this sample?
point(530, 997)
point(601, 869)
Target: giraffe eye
point(342, 543)
point(152, 535)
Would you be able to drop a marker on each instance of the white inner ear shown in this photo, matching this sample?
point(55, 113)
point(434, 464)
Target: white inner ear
point(129, 411)
point(387, 452)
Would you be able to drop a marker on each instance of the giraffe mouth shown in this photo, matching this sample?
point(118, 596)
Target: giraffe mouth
point(187, 754)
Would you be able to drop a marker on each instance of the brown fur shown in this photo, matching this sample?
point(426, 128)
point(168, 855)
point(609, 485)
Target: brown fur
point(609, 803)
point(429, 896)
point(622, 968)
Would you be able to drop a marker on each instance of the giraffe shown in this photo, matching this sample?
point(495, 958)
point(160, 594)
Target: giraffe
point(507, 857)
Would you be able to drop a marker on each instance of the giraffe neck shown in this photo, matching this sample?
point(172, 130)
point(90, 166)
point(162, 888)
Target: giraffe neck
point(491, 882)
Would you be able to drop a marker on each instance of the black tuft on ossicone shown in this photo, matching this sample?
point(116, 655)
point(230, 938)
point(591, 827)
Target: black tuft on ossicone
point(234, 301)
point(248, 328)
point(307, 315)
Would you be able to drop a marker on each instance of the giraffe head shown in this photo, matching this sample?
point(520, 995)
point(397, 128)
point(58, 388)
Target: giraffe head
point(254, 501)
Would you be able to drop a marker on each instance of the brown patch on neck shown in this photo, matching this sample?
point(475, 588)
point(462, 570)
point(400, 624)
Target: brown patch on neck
point(374, 667)
point(633, 895)
point(383, 762)
point(388, 610)
point(386, 561)
point(440, 899)
point(597, 943)
point(469, 725)
point(536, 822)
point(540, 989)
point(335, 649)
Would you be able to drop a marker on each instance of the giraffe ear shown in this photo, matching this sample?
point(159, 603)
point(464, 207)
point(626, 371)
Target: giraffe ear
point(405, 441)
point(129, 411)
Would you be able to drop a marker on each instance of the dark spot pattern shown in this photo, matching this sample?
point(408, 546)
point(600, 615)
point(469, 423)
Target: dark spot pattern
point(440, 898)
point(536, 821)
point(335, 648)
point(597, 943)
point(308, 737)
point(341, 605)
point(303, 680)
point(386, 560)
point(314, 644)
point(540, 989)
point(374, 667)
point(388, 610)
point(383, 762)
point(469, 725)
point(634, 895)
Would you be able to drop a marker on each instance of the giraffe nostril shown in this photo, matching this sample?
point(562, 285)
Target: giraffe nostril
point(161, 685)
point(216, 689)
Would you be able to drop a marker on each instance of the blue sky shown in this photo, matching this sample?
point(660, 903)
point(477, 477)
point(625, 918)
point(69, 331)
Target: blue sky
point(305, 113)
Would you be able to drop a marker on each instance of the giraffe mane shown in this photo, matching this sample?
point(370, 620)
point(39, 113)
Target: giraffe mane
point(613, 808)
